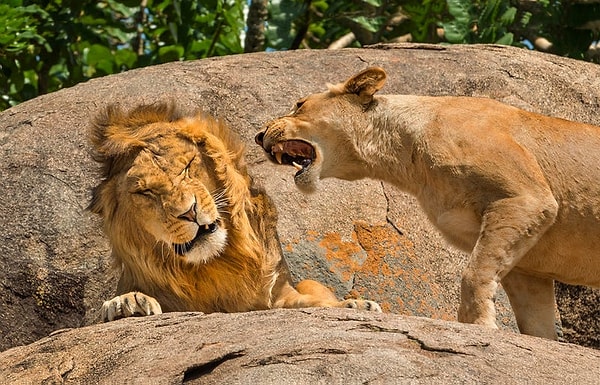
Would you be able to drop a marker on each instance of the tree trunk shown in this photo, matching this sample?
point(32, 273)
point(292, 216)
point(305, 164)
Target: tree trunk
point(255, 36)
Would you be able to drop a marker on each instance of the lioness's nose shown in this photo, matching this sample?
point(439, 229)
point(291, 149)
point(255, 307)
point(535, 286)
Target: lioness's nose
point(259, 138)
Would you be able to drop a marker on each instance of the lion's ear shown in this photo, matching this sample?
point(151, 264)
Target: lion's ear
point(114, 133)
point(366, 83)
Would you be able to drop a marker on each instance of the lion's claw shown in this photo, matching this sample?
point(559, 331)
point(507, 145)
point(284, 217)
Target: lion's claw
point(130, 304)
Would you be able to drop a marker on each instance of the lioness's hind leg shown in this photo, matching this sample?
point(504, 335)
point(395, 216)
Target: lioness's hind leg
point(532, 300)
point(510, 228)
point(129, 304)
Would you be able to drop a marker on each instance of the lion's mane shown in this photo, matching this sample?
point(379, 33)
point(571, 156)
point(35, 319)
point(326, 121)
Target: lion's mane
point(237, 280)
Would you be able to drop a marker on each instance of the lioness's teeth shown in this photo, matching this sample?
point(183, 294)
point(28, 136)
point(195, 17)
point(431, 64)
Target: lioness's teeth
point(298, 167)
point(278, 156)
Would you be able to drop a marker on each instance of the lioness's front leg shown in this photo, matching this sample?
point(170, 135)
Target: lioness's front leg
point(309, 293)
point(130, 304)
point(510, 227)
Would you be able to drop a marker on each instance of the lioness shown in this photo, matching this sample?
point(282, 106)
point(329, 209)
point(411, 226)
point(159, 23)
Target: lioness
point(187, 227)
point(517, 190)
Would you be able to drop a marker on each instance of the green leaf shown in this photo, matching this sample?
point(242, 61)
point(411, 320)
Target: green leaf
point(92, 20)
point(371, 25)
point(97, 53)
point(509, 16)
point(129, 3)
point(455, 32)
point(507, 39)
point(460, 10)
point(125, 58)
point(489, 11)
point(170, 53)
point(17, 81)
point(13, 3)
point(525, 18)
point(104, 67)
point(374, 3)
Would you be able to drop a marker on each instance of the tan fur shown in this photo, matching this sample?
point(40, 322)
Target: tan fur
point(170, 178)
point(517, 190)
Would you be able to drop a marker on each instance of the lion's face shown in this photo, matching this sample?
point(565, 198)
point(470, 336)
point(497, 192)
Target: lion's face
point(176, 198)
point(172, 184)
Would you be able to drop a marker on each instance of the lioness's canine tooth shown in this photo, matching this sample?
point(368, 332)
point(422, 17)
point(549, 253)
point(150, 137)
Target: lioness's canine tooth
point(278, 156)
point(298, 167)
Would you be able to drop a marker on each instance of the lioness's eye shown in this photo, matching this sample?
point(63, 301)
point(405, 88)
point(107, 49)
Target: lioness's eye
point(299, 104)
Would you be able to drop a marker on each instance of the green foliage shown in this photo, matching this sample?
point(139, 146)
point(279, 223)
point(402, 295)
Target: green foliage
point(425, 18)
point(281, 27)
point(17, 28)
point(480, 22)
point(18, 39)
point(47, 45)
point(570, 26)
point(318, 23)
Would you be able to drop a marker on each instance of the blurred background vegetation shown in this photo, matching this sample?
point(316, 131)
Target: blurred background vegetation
point(50, 44)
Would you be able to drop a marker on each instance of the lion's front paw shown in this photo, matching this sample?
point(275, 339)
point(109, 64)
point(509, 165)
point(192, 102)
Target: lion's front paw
point(362, 305)
point(130, 304)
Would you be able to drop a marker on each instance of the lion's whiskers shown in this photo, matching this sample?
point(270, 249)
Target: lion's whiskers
point(221, 201)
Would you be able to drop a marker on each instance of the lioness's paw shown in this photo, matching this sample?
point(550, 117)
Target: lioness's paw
point(130, 304)
point(362, 305)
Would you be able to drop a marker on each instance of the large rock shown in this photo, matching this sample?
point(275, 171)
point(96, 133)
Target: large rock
point(362, 238)
point(333, 346)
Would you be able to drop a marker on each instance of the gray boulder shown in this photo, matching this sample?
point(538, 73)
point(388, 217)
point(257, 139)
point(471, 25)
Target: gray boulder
point(313, 346)
point(362, 238)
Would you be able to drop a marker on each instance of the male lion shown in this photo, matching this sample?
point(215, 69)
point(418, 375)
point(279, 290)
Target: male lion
point(517, 190)
point(187, 228)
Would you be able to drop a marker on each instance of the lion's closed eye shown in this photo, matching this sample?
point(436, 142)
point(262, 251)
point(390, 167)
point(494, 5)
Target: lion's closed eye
point(186, 170)
point(143, 191)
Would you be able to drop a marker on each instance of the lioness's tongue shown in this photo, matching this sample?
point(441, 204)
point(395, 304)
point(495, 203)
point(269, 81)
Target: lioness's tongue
point(298, 148)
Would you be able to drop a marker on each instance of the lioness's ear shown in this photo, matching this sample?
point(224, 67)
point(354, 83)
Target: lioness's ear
point(366, 83)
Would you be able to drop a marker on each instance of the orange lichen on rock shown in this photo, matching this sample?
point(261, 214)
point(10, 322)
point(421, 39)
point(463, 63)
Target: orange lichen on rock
point(378, 263)
point(393, 275)
point(312, 235)
point(345, 258)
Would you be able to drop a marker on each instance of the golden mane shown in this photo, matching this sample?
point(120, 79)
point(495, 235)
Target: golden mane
point(117, 137)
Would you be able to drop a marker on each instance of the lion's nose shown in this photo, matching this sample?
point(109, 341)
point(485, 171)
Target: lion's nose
point(259, 138)
point(189, 215)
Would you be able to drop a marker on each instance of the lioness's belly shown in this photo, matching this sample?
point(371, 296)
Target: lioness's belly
point(568, 252)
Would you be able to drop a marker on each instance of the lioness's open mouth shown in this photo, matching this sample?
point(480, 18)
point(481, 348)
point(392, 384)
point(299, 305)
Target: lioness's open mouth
point(297, 153)
point(184, 248)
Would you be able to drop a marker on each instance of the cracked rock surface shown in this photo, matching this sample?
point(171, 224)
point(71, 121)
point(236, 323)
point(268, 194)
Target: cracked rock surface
point(360, 238)
point(312, 346)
